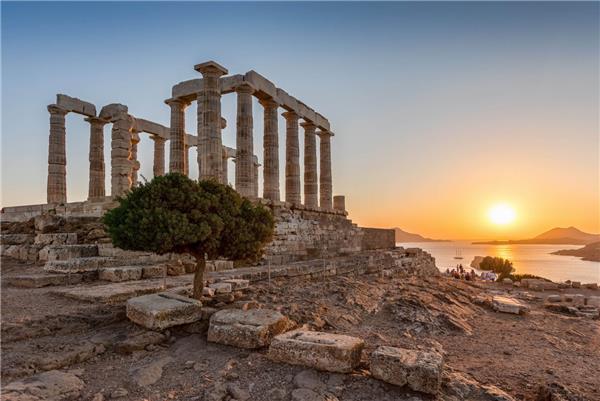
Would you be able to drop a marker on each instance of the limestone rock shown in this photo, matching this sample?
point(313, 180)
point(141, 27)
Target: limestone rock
point(508, 305)
point(160, 311)
point(594, 301)
point(47, 223)
point(420, 370)
point(51, 385)
point(151, 372)
point(309, 379)
point(250, 329)
point(157, 271)
point(237, 284)
point(460, 387)
point(139, 341)
point(221, 288)
point(322, 351)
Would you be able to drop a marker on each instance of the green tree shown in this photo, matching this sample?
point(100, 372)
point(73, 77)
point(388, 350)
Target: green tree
point(503, 267)
point(173, 214)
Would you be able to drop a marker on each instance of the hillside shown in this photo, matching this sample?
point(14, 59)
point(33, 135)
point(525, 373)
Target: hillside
point(589, 252)
point(404, 236)
point(557, 235)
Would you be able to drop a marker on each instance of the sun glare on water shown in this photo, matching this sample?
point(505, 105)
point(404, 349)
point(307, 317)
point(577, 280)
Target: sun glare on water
point(501, 214)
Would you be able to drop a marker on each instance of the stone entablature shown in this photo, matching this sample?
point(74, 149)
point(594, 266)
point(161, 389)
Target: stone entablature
point(212, 155)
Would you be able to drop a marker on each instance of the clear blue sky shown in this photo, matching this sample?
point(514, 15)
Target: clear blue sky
point(428, 100)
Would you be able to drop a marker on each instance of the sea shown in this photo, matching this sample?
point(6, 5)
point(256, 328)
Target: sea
point(526, 258)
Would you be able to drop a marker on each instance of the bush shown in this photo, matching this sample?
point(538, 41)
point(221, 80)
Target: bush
point(500, 266)
point(173, 214)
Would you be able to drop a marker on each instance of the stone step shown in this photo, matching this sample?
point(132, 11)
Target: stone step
point(66, 252)
point(114, 292)
point(16, 239)
point(79, 265)
point(47, 280)
point(130, 273)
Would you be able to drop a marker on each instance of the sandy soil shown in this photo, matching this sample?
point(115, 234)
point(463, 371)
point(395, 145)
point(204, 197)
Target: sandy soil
point(518, 354)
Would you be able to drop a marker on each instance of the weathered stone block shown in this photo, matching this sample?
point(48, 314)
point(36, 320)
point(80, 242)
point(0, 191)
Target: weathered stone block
point(322, 351)
point(250, 329)
point(44, 280)
point(508, 305)
point(420, 370)
point(221, 288)
point(160, 311)
point(157, 271)
point(56, 239)
point(237, 284)
point(112, 293)
point(593, 301)
point(122, 273)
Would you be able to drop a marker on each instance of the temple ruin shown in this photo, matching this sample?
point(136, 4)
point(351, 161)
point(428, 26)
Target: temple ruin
point(312, 223)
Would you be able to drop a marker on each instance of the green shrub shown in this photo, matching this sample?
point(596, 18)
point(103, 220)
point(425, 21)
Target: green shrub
point(500, 266)
point(173, 214)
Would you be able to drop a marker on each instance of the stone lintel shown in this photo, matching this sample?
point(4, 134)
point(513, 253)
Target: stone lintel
point(264, 87)
point(245, 87)
point(76, 105)
point(324, 132)
point(152, 128)
point(211, 67)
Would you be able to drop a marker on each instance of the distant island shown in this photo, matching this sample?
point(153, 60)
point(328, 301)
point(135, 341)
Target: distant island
point(589, 252)
point(403, 236)
point(558, 235)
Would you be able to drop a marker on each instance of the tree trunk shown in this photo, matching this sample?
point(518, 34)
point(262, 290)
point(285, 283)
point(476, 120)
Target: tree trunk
point(199, 276)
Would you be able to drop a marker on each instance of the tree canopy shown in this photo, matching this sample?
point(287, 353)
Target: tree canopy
point(503, 267)
point(174, 214)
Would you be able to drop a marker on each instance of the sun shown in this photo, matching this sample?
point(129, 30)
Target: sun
point(502, 214)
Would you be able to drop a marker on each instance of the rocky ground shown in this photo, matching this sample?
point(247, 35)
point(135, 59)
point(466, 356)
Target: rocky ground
point(91, 351)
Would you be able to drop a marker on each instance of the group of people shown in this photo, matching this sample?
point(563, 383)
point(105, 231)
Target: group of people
point(461, 273)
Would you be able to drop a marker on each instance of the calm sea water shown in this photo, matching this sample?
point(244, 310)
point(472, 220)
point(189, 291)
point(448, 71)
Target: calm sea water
point(526, 258)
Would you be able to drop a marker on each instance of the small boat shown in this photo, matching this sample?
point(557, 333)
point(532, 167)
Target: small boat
point(458, 254)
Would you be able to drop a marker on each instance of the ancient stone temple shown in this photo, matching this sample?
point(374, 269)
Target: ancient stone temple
point(311, 221)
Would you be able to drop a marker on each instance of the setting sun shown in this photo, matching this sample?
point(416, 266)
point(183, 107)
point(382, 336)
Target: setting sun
point(502, 214)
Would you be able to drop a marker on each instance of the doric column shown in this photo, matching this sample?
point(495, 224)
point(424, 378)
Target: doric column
point(255, 166)
point(310, 166)
point(186, 159)
point(325, 183)
point(339, 202)
point(244, 166)
point(120, 162)
point(97, 175)
point(271, 151)
point(135, 164)
point(210, 158)
point(158, 167)
point(292, 158)
point(224, 167)
point(57, 157)
point(177, 136)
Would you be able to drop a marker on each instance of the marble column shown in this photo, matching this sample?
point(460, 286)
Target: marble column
point(325, 182)
point(339, 202)
point(135, 164)
point(210, 159)
point(96, 188)
point(177, 136)
point(292, 158)
point(120, 162)
point(224, 168)
point(310, 166)
point(57, 156)
point(271, 151)
point(158, 168)
point(256, 165)
point(244, 166)
point(186, 160)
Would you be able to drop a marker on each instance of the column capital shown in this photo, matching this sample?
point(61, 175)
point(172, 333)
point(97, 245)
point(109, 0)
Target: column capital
point(211, 68)
point(290, 115)
point(245, 87)
point(308, 125)
point(324, 133)
point(96, 120)
point(177, 102)
point(268, 103)
point(157, 138)
point(56, 109)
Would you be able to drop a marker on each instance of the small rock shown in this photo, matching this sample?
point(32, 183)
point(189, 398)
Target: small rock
point(304, 394)
point(309, 379)
point(237, 393)
point(98, 397)
point(119, 393)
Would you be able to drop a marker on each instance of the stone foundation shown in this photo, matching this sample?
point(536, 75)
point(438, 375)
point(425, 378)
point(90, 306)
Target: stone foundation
point(301, 233)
